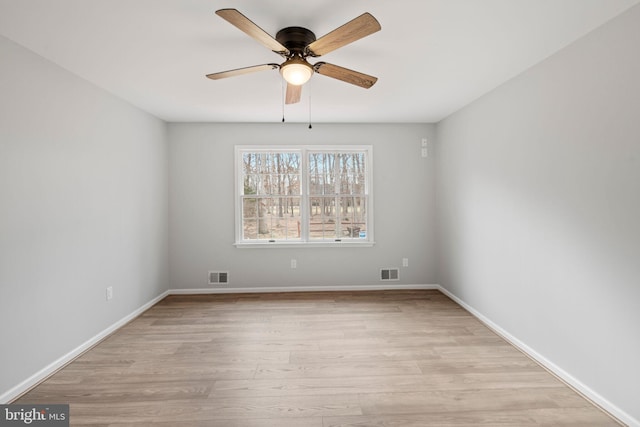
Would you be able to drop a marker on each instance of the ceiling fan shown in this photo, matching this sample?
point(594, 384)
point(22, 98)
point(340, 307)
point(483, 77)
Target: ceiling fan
point(296, 44)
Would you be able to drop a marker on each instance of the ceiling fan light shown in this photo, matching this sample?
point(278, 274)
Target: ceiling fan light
point(296, 71)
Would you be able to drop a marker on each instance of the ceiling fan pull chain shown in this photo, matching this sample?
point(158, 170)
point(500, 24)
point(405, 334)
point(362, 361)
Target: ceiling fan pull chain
point(283, 95)
point(310, 127)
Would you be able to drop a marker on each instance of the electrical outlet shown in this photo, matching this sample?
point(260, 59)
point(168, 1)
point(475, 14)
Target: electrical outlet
point(109, 293)
point(405, 262)
point(294, 263)
point(424, 142)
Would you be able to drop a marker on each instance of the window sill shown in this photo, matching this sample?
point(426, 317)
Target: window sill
point(282, 245)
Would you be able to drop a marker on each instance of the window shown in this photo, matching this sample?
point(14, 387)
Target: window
point(314, 195)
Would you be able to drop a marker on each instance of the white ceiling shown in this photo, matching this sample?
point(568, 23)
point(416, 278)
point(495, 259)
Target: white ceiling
point(432, 57)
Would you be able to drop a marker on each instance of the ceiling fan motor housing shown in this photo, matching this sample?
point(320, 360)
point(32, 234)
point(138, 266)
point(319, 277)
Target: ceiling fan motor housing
point(296, 39)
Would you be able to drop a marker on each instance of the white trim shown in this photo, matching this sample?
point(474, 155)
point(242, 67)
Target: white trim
point(54, 366)
point(318, 288)
point(563, 375)
point(346, 243)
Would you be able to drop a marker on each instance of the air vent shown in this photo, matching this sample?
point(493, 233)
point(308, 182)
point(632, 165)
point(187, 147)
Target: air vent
point(387, 274)
point(218, 277)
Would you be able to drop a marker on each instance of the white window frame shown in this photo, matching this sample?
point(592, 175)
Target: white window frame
point(304, 240)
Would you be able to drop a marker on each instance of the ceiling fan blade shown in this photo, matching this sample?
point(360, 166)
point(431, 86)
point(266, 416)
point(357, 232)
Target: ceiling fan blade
point(345, 74)
point(293, 94)
point(353, 30)
point(244, 24)
point(240, 71)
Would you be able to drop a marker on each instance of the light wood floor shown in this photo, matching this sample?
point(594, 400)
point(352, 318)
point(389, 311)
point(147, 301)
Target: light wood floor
point(335, 359)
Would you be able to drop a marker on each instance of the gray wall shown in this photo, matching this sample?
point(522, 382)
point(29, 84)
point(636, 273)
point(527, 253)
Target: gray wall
point(83, 206)
point(202, 208)
point(539, 209)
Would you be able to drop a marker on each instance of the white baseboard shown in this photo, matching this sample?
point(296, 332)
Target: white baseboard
point(41, 375)
point(563, 375)
point(45, 372)
point(319, 288)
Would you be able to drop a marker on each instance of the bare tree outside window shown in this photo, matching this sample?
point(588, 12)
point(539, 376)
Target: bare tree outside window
point(271, 189)
point(337, 195)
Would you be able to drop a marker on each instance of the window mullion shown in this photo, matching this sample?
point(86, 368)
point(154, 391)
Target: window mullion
point(305, 203)
point(337, 191)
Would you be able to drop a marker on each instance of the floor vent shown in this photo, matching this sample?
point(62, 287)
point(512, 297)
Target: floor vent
point(218, 277)
point(387, 274)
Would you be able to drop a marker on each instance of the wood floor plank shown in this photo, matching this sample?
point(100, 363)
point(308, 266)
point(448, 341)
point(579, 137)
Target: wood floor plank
point(231, 358)
point(262, 346)
point(514, 381)
point(342, 370)
point(188, 369)
point(365, 355)
point(129, 391)
point(178, 411)
point(249, 422)
point(454, 401)
point(554, 417)
point(318, 359)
